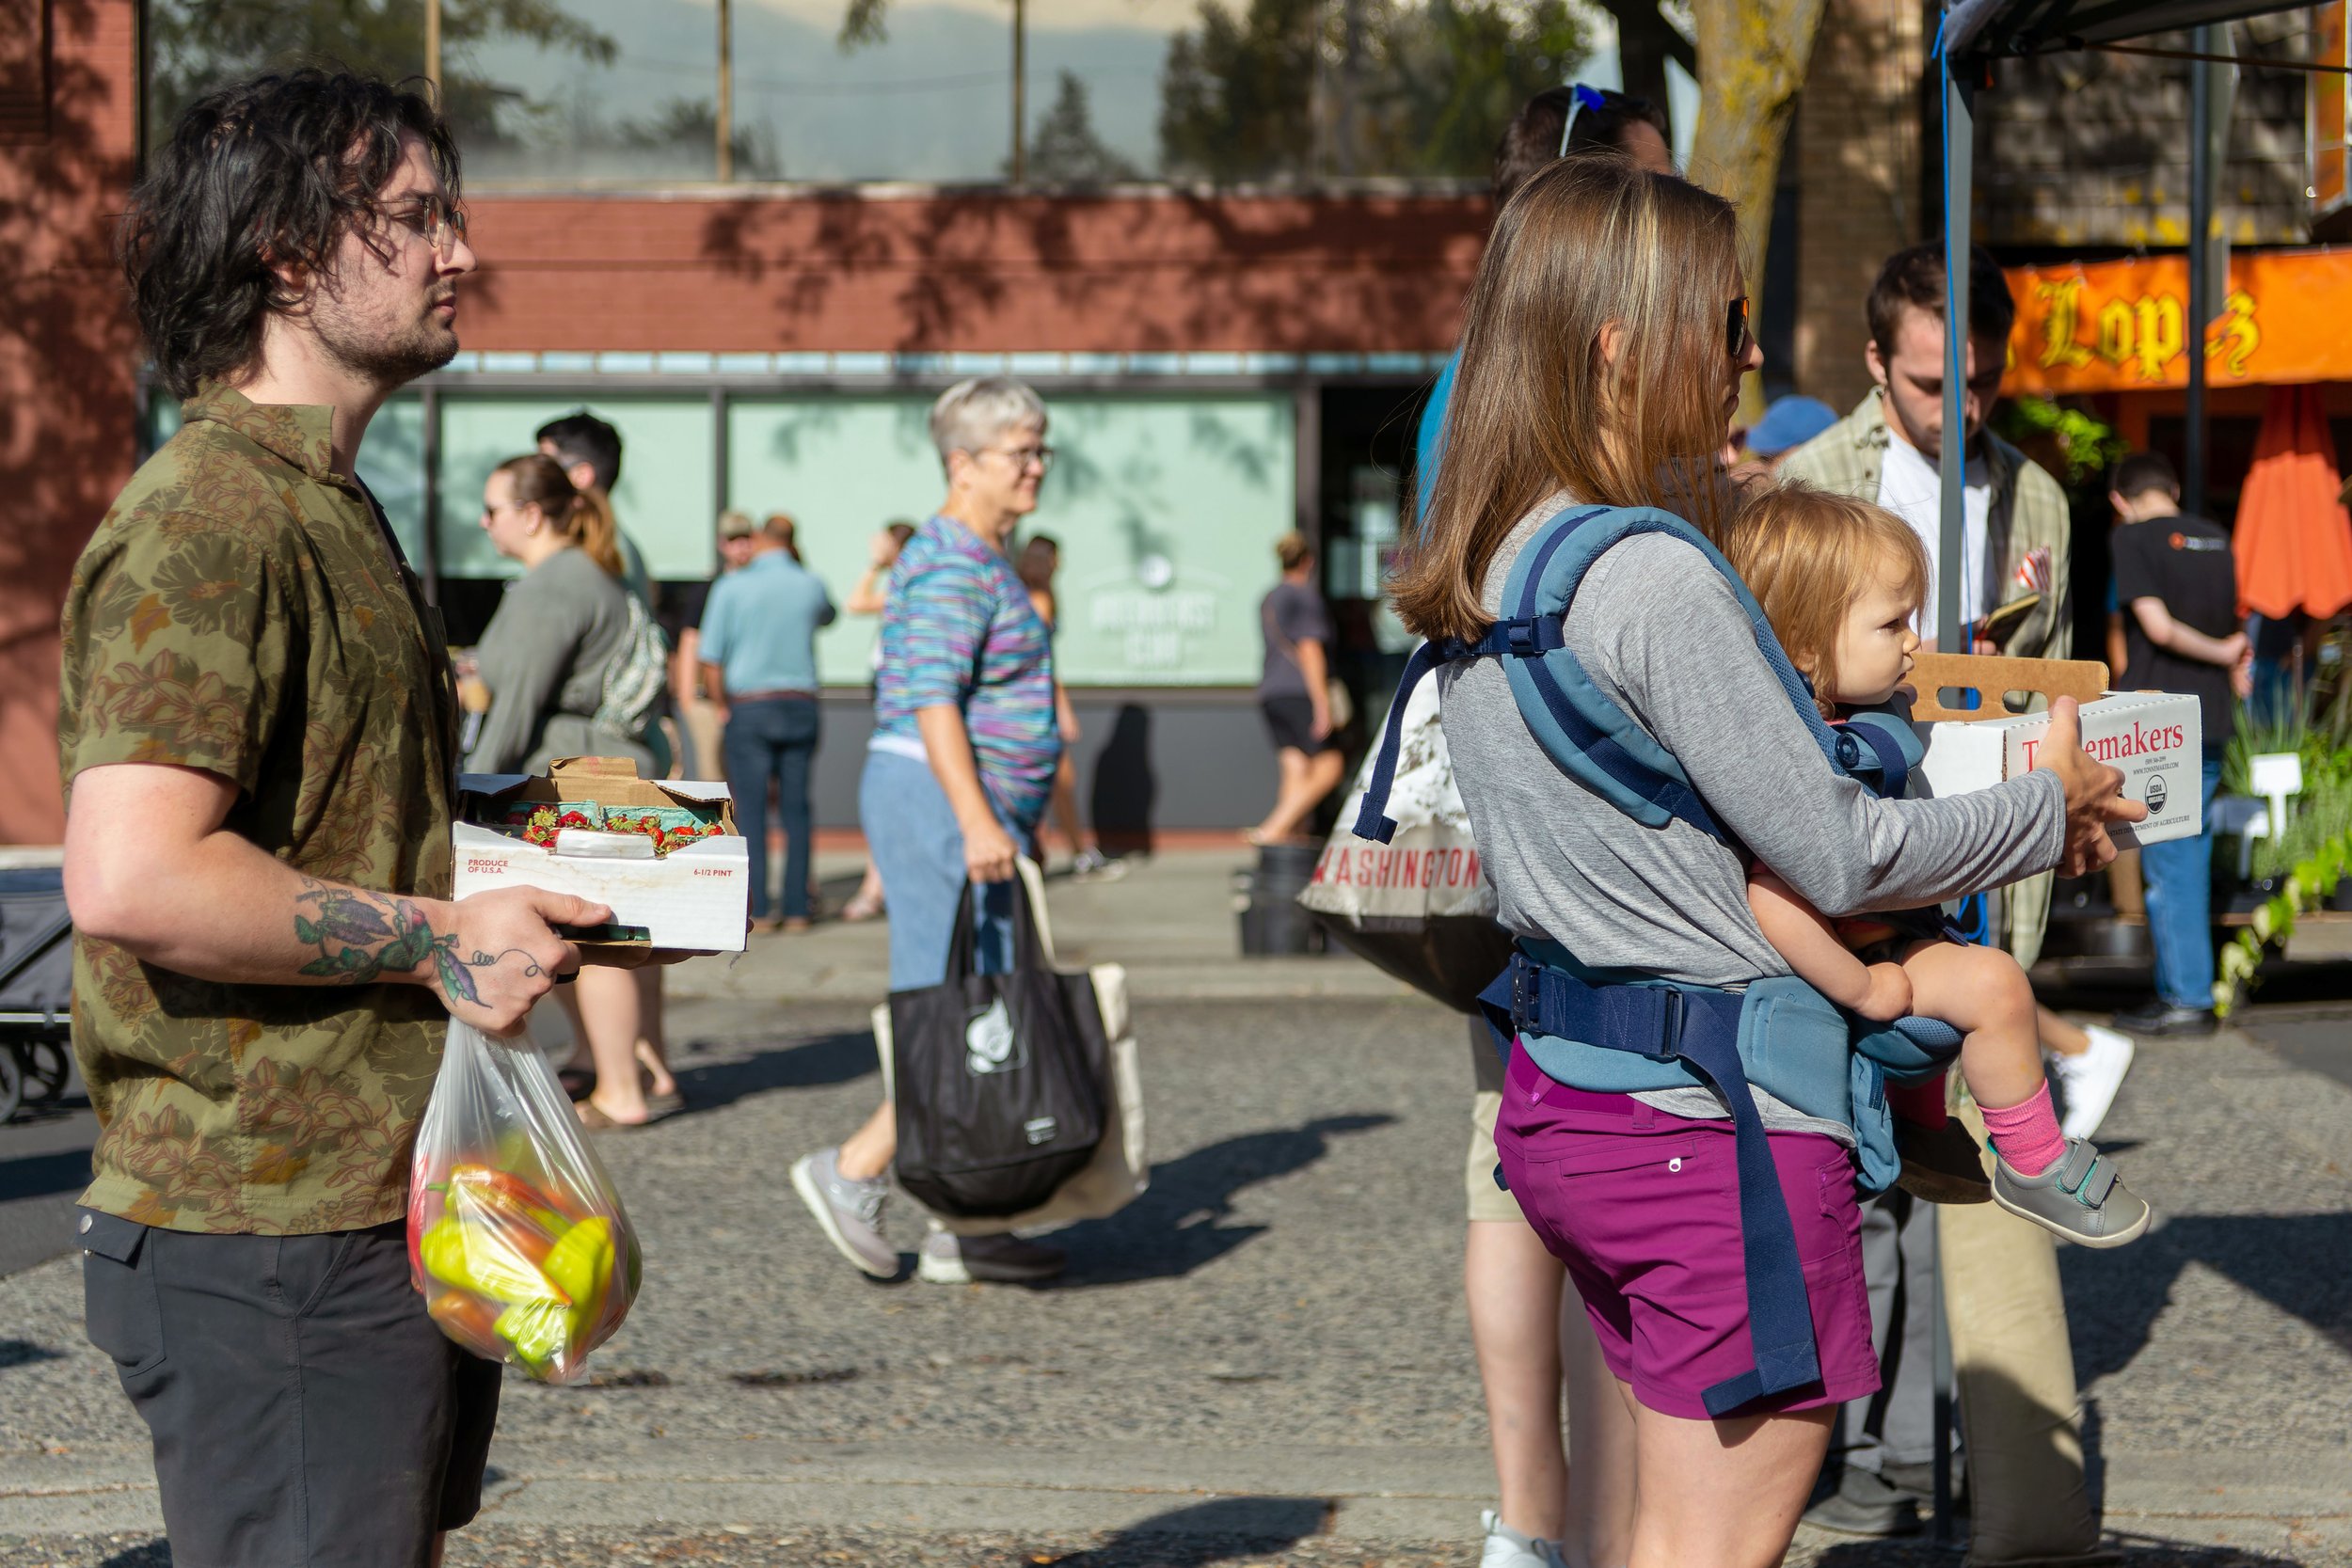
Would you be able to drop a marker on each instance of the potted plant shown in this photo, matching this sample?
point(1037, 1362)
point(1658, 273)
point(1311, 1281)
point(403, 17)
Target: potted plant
point(2304, 862)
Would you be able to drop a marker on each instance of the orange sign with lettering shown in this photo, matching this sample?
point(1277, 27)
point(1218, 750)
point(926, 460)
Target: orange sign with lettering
point(2122, 326)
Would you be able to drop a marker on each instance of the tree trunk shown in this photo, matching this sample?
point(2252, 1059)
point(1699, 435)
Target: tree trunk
point(1753, 58)
point(1646, 41)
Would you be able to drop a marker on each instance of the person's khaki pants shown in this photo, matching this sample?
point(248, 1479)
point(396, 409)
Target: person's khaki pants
point(2019, 1405)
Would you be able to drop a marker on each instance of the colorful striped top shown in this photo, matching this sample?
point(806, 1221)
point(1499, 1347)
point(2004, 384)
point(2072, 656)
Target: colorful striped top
point(958, 627)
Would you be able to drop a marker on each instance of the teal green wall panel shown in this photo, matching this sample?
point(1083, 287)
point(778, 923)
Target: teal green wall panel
point(665, 499)
point(1166, 508)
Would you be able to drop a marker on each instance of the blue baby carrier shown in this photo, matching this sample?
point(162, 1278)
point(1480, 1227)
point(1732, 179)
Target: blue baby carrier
point(1621, 1033)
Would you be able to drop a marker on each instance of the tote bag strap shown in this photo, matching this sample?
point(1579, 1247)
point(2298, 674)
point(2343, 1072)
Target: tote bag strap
point(1032, 934)
point(1033, 890)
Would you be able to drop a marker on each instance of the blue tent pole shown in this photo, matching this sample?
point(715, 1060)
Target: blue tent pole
point(1951, 556)
point(1959, 175)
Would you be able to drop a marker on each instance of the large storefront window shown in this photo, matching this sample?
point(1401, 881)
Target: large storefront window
point(1166, 508)
point(560, 93)
point(664, 500)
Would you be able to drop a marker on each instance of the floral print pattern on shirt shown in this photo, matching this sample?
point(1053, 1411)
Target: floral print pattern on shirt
point(242, 611)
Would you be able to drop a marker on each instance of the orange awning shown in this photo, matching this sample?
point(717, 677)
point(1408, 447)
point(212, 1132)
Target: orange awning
point(2294, 542)
point(2122, 326)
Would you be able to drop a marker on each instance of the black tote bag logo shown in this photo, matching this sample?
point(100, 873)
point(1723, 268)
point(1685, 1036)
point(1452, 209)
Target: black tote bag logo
point(1002, 1080)
point(991, 1043)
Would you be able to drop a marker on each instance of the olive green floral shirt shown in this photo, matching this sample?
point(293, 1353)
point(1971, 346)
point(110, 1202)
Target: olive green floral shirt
point(242, 611)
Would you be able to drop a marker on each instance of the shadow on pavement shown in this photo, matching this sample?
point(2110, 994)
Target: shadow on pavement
point(153, 1554)
point(38, 1174)
point(2132, 1551)
point(1176, 1227)
point(2300, 1263)
point(1212, 1531)
point(811, 1064)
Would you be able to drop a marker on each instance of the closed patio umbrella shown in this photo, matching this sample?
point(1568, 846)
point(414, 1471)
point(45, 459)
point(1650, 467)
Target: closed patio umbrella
point(2293, 540)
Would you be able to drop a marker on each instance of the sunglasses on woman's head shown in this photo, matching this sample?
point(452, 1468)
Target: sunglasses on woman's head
point(1581, 98)
point(1737, 341)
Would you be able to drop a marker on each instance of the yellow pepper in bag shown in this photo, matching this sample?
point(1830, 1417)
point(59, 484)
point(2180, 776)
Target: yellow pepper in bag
point(580, 1265)
point(477, 1258)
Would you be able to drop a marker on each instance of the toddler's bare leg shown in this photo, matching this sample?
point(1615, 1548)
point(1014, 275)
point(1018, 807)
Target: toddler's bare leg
point(1983, 992)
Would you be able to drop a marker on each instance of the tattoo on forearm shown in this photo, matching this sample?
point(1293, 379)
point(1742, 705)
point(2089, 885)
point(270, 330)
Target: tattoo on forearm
point(361, 937)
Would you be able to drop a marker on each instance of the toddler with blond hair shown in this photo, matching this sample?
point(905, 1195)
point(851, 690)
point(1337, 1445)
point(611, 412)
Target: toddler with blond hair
point(1842, 582)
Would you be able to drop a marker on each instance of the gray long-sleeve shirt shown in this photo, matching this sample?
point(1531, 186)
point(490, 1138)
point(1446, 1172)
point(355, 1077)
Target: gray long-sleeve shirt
point(1660, 632)
point(542, 656)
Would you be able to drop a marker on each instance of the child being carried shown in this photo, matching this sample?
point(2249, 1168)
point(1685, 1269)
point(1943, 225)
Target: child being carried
point(1842, 581)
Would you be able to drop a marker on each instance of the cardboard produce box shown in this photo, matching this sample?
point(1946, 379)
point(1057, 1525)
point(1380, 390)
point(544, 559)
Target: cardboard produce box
point(2157, 738)
point(688, 895)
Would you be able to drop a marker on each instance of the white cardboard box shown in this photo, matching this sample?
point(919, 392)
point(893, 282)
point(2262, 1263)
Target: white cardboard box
point(694, 898)
point(2154, 737)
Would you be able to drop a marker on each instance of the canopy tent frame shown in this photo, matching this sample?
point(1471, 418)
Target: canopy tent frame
point(1974, 34)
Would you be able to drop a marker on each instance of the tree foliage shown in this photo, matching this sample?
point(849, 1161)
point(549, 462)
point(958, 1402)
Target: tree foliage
point(1292, 88)
point(197, 44)
point(1067, 151)
point(691, 125)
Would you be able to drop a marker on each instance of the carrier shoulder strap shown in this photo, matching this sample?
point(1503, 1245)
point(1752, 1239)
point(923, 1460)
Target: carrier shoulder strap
point(1588, 735)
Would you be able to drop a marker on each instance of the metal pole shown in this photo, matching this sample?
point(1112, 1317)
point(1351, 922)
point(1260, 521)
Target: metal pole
point(433, 50)
point(726, 92)
point(1960, 142)
point(1940, 1426)
point(2200, 310)
point(721, 480)
point(1020, 91)
point(1959, 174)
point(429, 459)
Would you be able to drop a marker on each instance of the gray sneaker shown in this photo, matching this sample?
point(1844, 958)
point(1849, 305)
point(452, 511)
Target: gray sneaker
point(2078, 1197)
point(849, 1212)
point(948, 1260)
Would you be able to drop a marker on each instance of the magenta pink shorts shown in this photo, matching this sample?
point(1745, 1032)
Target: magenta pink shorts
point(1643, 1209)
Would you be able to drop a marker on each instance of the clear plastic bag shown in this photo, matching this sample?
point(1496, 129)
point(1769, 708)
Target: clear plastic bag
point(517, 1238)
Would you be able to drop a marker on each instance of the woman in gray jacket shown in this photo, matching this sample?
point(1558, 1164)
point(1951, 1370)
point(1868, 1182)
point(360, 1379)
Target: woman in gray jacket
point(544, 656)
point(559, 629)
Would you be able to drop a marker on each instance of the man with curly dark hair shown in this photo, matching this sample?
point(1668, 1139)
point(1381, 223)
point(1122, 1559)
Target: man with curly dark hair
point(258, 737)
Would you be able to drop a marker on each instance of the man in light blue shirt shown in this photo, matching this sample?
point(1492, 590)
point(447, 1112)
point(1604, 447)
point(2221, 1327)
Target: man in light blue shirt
point(758, 659)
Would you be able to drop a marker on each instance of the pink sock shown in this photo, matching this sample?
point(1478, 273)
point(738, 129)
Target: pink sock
point(2027, 1134)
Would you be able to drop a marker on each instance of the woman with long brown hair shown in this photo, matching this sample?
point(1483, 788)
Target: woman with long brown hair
point(1607, 336)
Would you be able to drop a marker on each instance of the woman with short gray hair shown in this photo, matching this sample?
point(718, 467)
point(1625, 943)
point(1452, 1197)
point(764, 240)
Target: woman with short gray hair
point(960, 768)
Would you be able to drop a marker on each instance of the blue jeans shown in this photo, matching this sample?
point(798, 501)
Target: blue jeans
point(2179, 881)
point(915, 842)
point(773, 739)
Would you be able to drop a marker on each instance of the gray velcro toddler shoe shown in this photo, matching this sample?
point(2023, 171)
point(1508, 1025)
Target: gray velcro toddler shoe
point(2078, 1197)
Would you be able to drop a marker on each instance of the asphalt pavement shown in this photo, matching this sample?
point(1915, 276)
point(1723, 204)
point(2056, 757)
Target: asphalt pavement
point(1265, 1359)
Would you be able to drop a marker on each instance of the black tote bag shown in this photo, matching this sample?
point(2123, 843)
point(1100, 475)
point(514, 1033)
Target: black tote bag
point(1001, 1078)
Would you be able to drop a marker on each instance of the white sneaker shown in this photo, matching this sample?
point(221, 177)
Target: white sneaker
point(2088, 1083)
point(1507, 1548)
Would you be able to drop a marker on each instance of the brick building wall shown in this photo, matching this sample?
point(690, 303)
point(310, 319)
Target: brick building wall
point(68, 112)
point(2086, 149)
point(1857, 147)
point(977, 272)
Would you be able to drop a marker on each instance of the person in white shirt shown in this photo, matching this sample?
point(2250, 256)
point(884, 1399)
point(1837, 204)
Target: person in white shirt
point(2015, 529)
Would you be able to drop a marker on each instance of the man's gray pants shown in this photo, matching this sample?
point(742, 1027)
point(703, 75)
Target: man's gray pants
point(1896, 1425)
